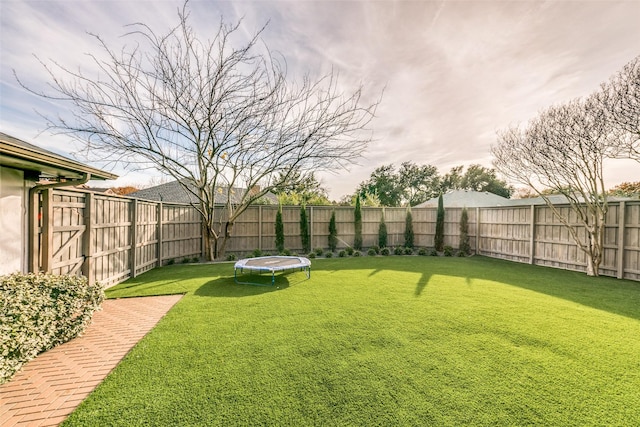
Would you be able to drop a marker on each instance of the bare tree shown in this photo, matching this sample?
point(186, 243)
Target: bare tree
point(621, 99)
point(563, 149)
point(225, 121)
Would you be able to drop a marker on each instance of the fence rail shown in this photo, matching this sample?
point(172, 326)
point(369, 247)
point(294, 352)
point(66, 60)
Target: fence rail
point(112, 238)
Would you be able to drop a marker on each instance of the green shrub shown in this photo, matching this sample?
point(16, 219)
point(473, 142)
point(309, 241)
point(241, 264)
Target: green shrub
point(350, 250)
point(382, 232)
point(171, 261)
point(319, 251)
point(376, 249)
point(286, 252)
point(439, 236)
point(357, 221)
point(231, 257)
point(372, 252)
point(342, 253)
point(448, 251)
point(408, 251)
point(422, 251)
point(186, 260)
point(40, 311)
point(312, 255)
point(408, 230)
point(328, 255)
point(279, 225)
point(333, 232)
point(256, 253)
point(385, 251)
point(305, 236)
point(196, 259)
point(465, 246)
point(433, 252)
point(357, 253)
point(461, 253)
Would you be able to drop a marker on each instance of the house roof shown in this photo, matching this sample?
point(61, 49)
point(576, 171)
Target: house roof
point(18, 154)
point(175, 193)
point(467, 198)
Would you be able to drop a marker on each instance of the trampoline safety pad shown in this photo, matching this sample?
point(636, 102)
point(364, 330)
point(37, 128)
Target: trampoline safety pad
point(270, 264)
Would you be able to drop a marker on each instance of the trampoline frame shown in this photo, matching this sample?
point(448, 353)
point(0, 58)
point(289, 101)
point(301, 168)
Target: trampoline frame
point(304, 264)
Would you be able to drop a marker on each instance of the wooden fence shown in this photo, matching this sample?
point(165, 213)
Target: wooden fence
point(111, 238)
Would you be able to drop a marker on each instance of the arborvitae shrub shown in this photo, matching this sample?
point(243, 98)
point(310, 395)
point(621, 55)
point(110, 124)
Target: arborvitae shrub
point(385, 251)
point(465, 247)
point(382, 232)
point(372, 252)
point(305, 237)
point(408, 230)
point(357, 221)
point(279, 231)
point(439, 237)
point(333, 232)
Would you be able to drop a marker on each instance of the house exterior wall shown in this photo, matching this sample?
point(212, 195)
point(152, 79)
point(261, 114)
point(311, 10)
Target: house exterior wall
point(13, 214)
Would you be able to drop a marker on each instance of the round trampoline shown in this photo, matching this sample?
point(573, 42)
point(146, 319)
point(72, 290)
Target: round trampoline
point(270, 264)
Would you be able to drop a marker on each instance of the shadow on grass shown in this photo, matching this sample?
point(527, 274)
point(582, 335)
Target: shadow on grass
point(226, 287)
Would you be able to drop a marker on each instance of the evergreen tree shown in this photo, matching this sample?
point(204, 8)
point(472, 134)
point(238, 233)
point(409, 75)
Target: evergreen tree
point(382, 232)
point(333, 232)
point(304, 230)
point(439, 237)
point(279, 231)
point(465, 247)
point(408, 230)
point(357, 240)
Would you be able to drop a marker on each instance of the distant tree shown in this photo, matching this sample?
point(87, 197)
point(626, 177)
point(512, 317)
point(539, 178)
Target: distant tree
point(464, 246)
point(357, 221)
point(333, 232)
point(418, 183)
point(479, 178)
point(123, 191)
point(408, 230)
point(279, 231)
point(439, 236)
point(382, 232)
point(305, 237)
point(214, 113)
point(383, 182)
point(299, 189)
point(452, 180)
point(626, 189)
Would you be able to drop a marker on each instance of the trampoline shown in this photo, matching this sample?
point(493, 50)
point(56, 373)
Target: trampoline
point(270, 264)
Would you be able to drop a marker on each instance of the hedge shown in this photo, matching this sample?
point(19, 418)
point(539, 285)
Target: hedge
point(40, 311)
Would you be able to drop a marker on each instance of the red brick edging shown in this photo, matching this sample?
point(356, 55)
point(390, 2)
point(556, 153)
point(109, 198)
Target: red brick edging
point(51, 386)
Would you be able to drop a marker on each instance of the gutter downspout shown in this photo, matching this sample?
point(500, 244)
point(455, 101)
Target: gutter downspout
point(34, 209)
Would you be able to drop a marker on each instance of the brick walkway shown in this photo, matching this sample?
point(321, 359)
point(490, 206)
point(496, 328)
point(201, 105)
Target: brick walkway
point(51, 386)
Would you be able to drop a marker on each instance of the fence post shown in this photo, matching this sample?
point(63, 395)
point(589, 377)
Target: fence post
point(477, 231)
point(134, 238)
point(311, 227)
point(532, 234)
point(159, 233)
point(87, 239)
point(260, 227)
point(47, 230)
point(621, 227)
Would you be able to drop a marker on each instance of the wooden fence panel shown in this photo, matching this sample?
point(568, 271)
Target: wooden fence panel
point(112, 238)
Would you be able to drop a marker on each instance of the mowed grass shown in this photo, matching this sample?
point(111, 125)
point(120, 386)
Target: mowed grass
point(381, 341)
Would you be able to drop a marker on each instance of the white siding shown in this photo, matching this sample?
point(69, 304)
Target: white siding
point(12, 221)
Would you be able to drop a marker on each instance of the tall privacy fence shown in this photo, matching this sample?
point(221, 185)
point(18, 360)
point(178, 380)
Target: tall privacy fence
point(111, 238)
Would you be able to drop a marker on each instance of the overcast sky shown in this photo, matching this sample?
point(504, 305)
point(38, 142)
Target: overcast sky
point(454, 72)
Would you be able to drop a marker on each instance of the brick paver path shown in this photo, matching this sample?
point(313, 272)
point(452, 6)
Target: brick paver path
point(52, 385)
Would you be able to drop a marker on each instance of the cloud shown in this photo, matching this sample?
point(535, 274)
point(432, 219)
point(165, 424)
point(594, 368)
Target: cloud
point(453, 72)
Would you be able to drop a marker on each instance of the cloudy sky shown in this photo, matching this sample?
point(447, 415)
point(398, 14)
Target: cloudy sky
point(453, 72)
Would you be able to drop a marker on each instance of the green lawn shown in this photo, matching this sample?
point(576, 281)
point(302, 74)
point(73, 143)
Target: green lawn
point(381, 341)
